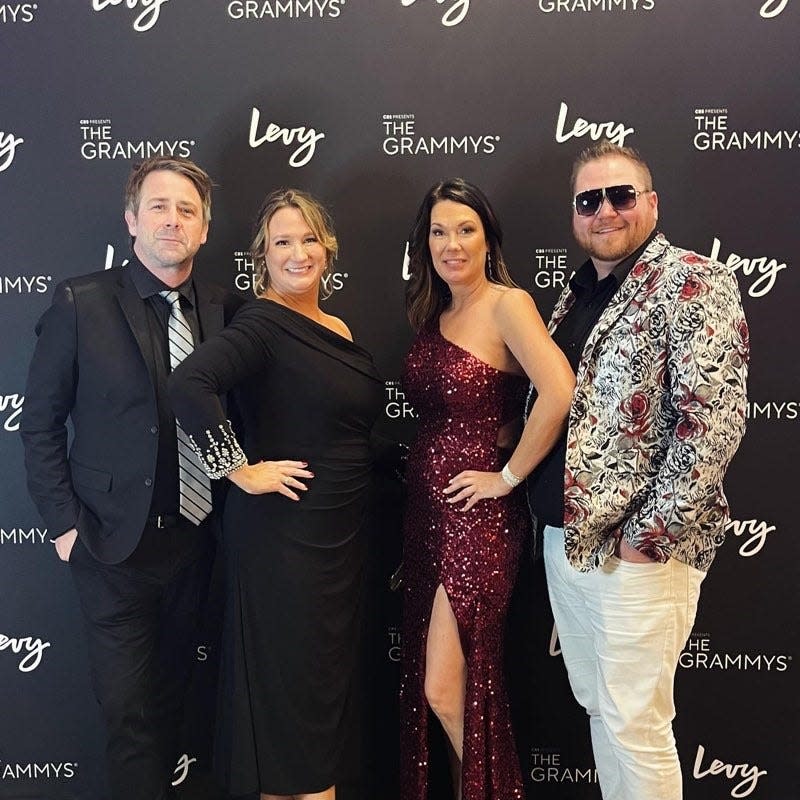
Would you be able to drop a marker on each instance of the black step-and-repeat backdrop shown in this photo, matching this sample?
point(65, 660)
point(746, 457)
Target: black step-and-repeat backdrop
point(366, 103)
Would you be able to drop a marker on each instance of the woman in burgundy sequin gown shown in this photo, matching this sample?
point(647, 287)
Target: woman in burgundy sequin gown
point(480, 340)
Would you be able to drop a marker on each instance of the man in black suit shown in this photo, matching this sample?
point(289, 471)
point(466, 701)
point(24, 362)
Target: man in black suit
point(135, 529)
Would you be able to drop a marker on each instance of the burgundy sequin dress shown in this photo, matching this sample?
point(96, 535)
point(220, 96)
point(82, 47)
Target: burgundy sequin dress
point(462, 403)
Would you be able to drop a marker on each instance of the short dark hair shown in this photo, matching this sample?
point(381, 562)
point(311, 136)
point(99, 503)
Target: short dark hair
point(603, 149)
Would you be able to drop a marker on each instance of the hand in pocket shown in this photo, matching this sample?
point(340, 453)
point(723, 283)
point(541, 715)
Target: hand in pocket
point(65, 543)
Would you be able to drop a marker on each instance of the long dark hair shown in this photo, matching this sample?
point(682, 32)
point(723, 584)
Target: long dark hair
point(427, 295)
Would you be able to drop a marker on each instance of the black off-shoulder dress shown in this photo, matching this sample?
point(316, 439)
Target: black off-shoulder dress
point(293, 568)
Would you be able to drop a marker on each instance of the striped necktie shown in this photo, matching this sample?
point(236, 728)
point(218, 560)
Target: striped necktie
point(194, 484)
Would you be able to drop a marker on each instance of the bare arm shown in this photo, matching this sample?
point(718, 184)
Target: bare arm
point(527, 338)
point(521, 328)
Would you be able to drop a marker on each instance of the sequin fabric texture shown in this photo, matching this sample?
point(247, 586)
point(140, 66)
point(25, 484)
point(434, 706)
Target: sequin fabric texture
point(462, 403)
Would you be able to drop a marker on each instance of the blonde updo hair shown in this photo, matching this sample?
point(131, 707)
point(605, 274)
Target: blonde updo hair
point(316, 217)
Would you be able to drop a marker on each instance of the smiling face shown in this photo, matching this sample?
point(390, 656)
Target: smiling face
point(457, 243)
point(168, 225)
point(294, 255)
point(609, 236)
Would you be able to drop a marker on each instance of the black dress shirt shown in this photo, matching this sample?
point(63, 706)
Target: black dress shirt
point(592, 296)
point(157, 309)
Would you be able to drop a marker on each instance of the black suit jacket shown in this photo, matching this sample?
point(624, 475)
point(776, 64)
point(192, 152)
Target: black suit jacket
point(93, 363)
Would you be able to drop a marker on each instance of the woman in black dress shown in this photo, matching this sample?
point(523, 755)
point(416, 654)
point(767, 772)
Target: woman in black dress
point(300, 463)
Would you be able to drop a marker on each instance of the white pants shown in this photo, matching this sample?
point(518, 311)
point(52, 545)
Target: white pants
point(622, 628)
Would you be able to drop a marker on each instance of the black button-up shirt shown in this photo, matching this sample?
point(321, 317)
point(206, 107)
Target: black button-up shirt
point(592, 296)
point(165, 486)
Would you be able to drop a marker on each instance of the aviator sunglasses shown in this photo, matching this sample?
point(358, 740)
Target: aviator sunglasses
point(622, 198)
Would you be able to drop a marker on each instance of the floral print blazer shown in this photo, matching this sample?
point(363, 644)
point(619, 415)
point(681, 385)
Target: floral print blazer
point(658, 412)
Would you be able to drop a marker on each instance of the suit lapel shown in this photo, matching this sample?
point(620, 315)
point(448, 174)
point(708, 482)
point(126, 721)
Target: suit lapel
point(563, 304)
point(210, 314)
point(135, 313)
point(642, 272)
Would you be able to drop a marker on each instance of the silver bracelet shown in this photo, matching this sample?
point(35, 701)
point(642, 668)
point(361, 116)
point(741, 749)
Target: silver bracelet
point(510, 478)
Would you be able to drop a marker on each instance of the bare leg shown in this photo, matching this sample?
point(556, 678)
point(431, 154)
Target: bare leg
point(455, 771)
point(446, 672)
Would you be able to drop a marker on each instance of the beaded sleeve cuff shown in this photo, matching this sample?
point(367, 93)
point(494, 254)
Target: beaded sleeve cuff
point(222, 454)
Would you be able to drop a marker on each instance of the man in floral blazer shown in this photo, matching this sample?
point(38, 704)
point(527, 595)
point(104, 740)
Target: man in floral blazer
point(631, 499)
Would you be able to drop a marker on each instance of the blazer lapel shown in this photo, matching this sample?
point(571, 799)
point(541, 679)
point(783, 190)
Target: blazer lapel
point(643, 271)
point(563, 305)
point(210, 313)
point(134, 310)
point(211, 316)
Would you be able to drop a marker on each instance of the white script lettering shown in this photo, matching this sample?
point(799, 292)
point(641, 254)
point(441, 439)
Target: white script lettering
point(33, 647)
point(151, 9)
point(767, 270)
point(771, 8)
point(306, 138)
point(755, 529)
point(613, 131)
point(8, 146)
point(749, 774)
point(13, 401)
point(182, 770)
point(453, 16)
